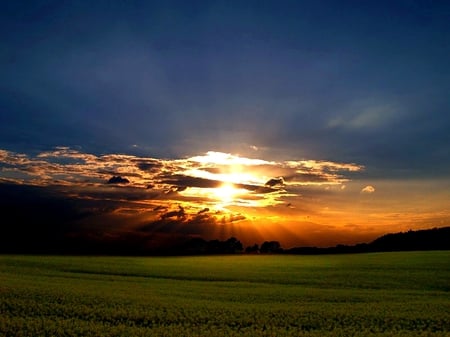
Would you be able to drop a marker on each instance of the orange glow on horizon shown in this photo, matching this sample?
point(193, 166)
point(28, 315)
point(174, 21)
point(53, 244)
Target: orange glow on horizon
point(217, 194)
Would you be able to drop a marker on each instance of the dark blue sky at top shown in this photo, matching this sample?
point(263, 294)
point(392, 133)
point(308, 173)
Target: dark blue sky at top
point(353, 81)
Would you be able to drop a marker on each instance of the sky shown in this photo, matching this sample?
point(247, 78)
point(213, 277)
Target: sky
point(306, 122)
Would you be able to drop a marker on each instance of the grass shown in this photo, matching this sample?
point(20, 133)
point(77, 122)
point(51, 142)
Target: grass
point(383, 294)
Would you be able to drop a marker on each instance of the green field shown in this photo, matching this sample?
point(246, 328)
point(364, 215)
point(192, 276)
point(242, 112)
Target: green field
point(383, 294)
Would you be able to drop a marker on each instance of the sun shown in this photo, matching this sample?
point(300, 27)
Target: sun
point(226, 193)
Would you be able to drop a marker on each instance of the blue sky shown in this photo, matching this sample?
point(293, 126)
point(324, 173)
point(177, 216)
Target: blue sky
point(361, 82)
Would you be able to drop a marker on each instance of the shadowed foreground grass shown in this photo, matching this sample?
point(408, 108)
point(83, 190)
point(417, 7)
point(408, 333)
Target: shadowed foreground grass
point(383, 294)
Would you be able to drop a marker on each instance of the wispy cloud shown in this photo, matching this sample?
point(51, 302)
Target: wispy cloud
point(366, 115)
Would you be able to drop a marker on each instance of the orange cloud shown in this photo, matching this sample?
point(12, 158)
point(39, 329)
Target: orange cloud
point(368, 189)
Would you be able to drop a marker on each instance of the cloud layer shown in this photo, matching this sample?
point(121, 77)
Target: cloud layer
point(189, 196)
point(172, 179)
point(66, 194)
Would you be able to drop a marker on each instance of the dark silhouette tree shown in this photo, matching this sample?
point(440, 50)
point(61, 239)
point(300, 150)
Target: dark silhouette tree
point(252, 249)
point(233, 245)
point(197, 246)
point(271, 247)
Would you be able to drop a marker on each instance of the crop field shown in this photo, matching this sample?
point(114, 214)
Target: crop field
point(382, 294)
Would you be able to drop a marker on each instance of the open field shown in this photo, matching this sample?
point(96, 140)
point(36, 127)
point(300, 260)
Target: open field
point(383, 294)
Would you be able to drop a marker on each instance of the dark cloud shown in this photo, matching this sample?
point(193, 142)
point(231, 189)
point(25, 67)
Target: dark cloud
point(41, 218)
point(275, 182)
point(179, 188)
point(181, 182)
point(124, 193)
point(204, 210)
point(236, 217)
point(149, 166)
point(257, 188)
point(179, 214)
point(118, 180)
point(188, 181)
point(160, 208)
point(203, 222)
point(47, 220)
point(179, 222)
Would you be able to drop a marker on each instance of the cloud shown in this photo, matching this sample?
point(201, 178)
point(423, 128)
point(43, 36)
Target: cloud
point(180, 221)
point(236, 217)
point(118, 180)
point(180, 180)
point(275, 181)
point(179, 214)
point(205, 210)
point(367, 114)
point(196, 180)
point(148, 165)
point(45, 217)
point(368, 189)
point(256, 188)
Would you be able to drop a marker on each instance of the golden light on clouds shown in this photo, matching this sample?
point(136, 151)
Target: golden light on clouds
point(221, 193)
point(216, 180)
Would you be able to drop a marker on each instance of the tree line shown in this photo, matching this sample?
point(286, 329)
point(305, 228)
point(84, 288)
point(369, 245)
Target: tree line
point(197, 246)
point(138, 245)
point(427, 239)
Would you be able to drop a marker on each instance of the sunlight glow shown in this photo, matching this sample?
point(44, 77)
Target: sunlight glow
point(220, 158)
point(231, 169)
point(220, 197)
point(226, 193)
